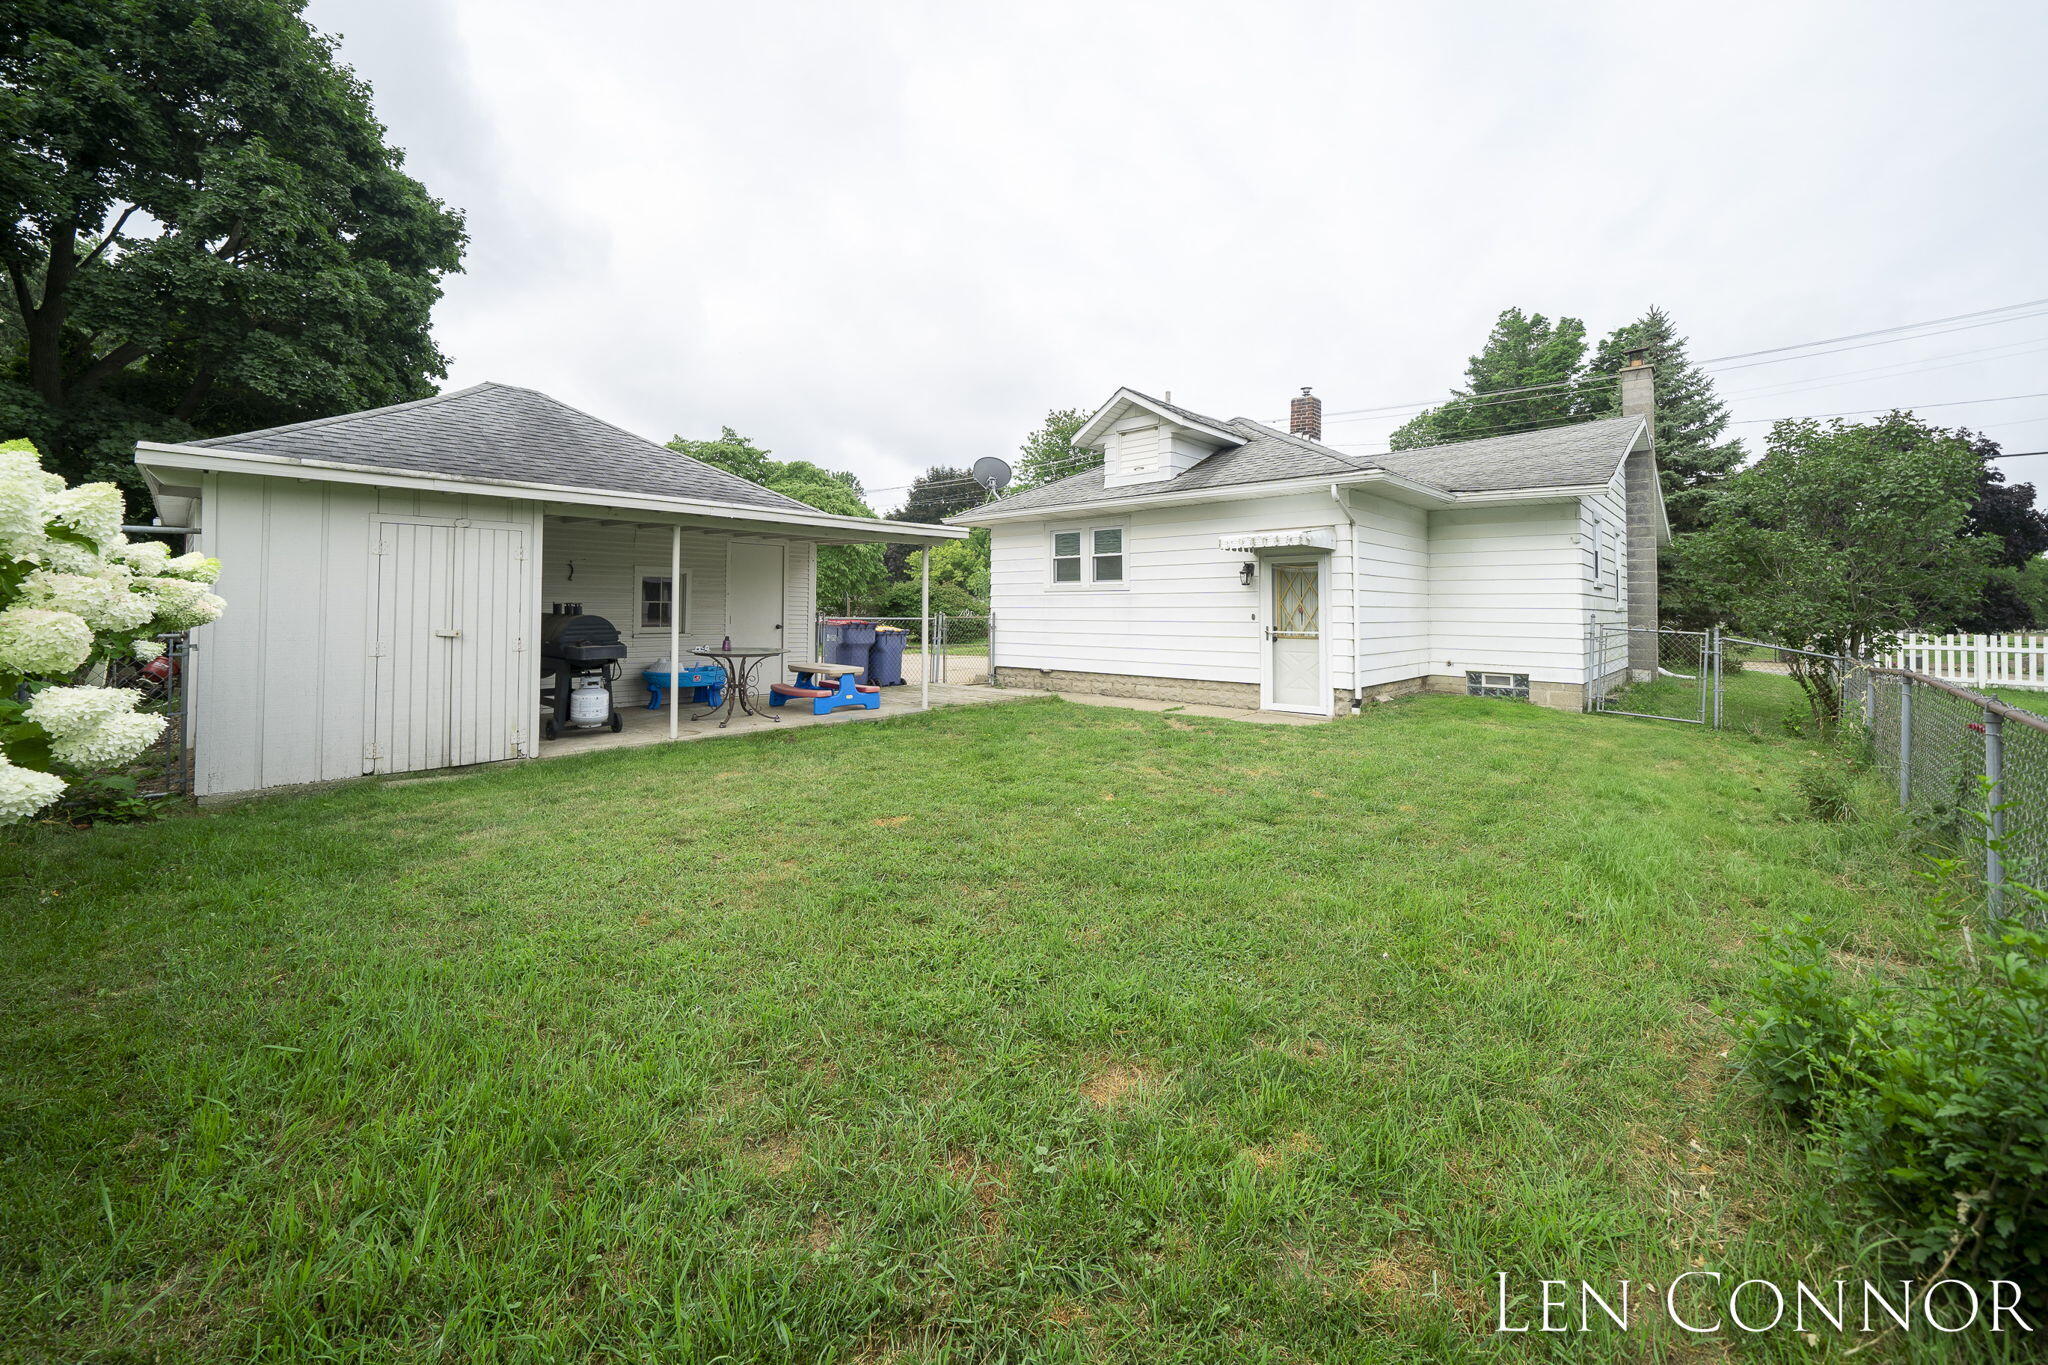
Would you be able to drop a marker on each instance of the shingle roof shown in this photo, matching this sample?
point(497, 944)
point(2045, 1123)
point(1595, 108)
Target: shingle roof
point(1556, 457)
point(497, 431)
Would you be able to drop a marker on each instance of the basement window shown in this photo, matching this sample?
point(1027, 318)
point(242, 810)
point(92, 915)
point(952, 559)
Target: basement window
point(1514, 686)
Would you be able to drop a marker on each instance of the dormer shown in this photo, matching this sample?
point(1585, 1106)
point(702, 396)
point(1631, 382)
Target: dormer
point(1144, 441)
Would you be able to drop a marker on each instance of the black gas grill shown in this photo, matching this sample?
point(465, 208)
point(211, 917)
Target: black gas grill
point(572, 646)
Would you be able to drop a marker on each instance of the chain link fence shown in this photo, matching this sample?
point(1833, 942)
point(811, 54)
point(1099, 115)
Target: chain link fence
point(1970, 770)
point(959, 652)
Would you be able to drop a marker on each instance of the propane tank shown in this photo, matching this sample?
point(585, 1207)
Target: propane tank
point(589, 702)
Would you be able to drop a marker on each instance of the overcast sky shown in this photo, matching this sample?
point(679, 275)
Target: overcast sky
point(883, 236)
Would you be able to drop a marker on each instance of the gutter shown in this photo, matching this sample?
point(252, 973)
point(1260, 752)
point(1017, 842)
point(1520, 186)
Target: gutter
point(152, 455)
point(1414, 491)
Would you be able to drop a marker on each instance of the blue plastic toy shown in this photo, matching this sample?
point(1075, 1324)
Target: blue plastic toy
point(705, 681)
point(848, 692)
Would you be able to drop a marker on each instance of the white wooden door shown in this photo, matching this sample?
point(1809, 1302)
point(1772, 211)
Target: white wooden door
point(1295, 639)
point(448, 649)
point(754, 595)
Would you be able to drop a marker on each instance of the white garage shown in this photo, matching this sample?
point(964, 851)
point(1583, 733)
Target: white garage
point(387, 573)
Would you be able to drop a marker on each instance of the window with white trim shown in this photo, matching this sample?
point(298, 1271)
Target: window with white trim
point(659, 602)
point(1088, 554)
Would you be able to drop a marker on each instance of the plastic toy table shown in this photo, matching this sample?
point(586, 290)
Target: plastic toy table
point(706, 684)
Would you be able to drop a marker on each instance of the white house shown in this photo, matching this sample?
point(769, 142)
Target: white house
point(386, 572)
point(1232, 562)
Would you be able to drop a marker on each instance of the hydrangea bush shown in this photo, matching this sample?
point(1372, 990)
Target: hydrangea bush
point(75, 596)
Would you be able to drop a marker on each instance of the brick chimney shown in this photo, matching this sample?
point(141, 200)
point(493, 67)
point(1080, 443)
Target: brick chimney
point(1305, 416)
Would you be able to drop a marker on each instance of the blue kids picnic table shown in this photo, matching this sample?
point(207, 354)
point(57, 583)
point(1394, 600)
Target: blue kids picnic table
point(705, 681)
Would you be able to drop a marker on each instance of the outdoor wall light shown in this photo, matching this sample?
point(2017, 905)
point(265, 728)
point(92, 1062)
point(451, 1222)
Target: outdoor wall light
point(1246, 574)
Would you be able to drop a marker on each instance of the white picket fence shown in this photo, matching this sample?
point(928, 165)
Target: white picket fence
point(1976, 660)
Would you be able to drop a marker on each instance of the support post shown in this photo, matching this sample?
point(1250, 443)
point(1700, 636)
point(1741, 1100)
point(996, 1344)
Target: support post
point(1714, 661)
point(924, 634)
point(1905, 743)
point(1994, 781)
point(675, 627)
point(1637, 392)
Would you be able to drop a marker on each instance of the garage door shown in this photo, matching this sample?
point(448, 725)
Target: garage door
point(453, 679)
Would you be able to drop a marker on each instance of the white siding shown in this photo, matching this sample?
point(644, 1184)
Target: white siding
point(608, 559)
point(1507, 591)
point(1393, 586)
point(1180, 612)
point(280, 685)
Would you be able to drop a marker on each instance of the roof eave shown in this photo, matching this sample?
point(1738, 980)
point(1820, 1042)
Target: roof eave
point(154, 456)
point(1088, 437)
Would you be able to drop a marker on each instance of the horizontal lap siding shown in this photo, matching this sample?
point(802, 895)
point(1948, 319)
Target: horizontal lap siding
point(1507, 591)
point(1182, 613)
point(1393, 601)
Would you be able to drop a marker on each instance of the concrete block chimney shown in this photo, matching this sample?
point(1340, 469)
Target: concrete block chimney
point(1637, 384)
point(1305, 416)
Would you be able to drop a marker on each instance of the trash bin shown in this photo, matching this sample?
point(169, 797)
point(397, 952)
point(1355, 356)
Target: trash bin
point(847, 641)
point(885, 657)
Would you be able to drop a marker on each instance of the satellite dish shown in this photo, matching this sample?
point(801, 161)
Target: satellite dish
point(992, 473)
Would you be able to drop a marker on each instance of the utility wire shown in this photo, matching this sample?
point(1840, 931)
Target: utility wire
point(1881, 331)
point(1896, 407)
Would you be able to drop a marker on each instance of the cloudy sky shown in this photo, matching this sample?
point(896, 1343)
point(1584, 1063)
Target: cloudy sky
point(883, 236)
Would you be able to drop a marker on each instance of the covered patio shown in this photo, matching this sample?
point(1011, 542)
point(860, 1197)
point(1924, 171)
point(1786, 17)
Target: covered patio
point(644, 726)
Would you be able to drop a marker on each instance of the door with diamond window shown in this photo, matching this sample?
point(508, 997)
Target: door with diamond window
point(1294, 636)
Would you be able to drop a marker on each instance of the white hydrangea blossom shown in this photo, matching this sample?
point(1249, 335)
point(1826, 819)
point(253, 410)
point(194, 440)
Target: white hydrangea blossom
point(195, 566)
point(93, 726)
point(23, 486)
point(146, 557)
point(104, 602)
point(91, 509)
point(63, 601)
point(39, 643)
point(24, 791)
point(180, 603)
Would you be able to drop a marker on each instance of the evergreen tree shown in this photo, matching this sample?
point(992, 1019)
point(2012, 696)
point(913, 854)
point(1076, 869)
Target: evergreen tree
point(1691, 456)
point(1523, 351)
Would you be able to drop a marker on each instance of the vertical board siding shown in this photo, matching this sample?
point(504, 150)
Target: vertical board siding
point(283, 690)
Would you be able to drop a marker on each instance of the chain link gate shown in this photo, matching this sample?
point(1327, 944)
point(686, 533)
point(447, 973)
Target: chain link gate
point(1624, 683)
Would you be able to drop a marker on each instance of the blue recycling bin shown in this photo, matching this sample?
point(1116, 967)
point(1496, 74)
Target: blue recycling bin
point(847, 641)
point(885, 657)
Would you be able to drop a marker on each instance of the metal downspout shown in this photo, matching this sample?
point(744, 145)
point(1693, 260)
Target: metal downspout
point(1357, 644)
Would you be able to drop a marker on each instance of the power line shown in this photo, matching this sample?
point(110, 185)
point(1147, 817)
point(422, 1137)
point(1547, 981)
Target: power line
point(1896, 407)
point(1898, 369)
point(1881, 331)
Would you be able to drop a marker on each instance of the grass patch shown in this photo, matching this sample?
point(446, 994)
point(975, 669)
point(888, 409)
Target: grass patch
point(1030, 1030)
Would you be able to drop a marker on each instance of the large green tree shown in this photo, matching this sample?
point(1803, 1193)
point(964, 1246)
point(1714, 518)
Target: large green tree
point(1049, 453)
point(2006, 512)
point(205, 230)
point(1842, 536)
point(847, 574)
point(1524, 352)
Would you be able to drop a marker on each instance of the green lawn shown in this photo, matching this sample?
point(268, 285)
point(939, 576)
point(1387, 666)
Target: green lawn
point(1029, 1031)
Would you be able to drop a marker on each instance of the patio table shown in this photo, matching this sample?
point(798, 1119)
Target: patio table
point(739, 662)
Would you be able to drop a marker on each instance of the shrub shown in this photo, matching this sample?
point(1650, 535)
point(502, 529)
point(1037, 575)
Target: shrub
point(1809, 1027)
point(1929, 1106)
point(76, 597)
point(1946, 1131)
